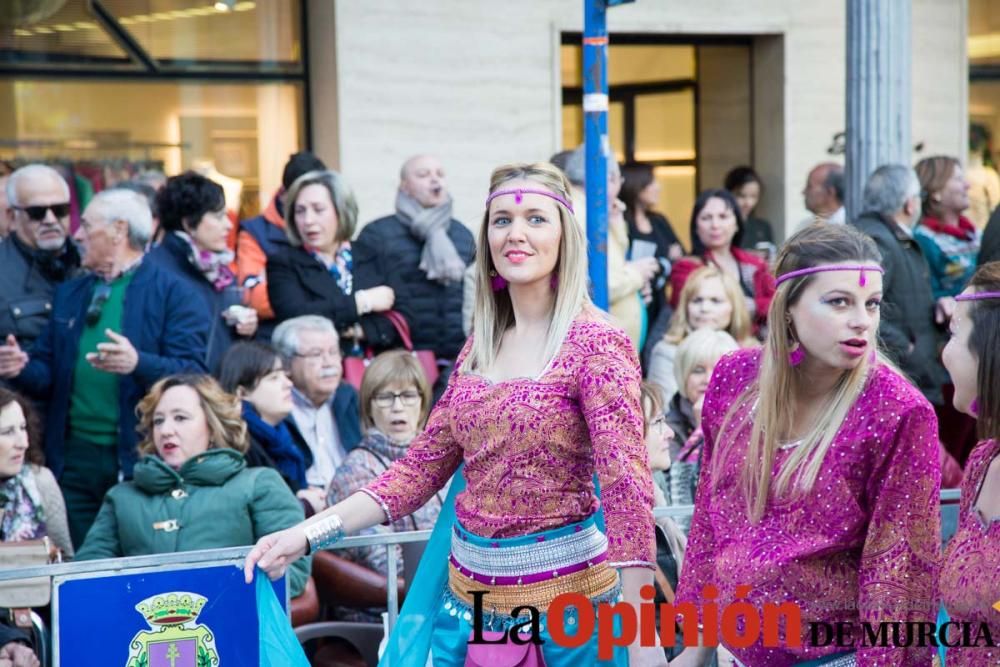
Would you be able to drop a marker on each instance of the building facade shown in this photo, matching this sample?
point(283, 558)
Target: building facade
point(696, 88)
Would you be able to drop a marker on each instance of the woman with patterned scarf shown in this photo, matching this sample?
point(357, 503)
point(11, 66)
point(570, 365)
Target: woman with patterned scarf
point(323, 272)
point(395, 400)
point(193, 215)
point(30, 501)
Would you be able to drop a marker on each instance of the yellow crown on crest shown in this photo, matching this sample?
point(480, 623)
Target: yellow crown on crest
point(174, 608)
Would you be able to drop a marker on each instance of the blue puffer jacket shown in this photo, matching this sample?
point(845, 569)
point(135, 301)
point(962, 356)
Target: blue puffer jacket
point(172, 256)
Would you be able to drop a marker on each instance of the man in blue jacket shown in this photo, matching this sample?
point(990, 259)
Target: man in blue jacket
point(113, 334)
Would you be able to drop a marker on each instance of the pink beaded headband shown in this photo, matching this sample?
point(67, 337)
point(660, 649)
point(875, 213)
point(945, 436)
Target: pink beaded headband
point(520, 192)
point(977, 296)
point(862, 281)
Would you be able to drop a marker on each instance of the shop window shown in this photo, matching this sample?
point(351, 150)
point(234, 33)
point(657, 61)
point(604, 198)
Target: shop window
point(984, 33)
point(116, 87)
point(256, 34)
point(234, 129)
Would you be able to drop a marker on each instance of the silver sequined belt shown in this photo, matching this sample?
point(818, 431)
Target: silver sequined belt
point(544, 555)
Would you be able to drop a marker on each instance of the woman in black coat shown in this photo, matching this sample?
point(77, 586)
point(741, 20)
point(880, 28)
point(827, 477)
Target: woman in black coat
point(641, 192)
point(322, 272)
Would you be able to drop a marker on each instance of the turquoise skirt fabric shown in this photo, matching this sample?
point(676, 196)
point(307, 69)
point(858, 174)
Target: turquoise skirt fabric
point(434, 628)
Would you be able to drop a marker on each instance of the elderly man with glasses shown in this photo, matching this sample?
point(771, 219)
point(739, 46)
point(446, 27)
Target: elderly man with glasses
point(37, 255)
point(113, 334)
point(325, 419)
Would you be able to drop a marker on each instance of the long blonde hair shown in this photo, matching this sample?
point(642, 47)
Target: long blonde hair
point(778, 381)
point(494, 313)
point(739, 321)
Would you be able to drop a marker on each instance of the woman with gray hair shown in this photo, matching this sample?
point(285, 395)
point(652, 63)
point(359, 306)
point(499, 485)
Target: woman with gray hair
point(322, 272)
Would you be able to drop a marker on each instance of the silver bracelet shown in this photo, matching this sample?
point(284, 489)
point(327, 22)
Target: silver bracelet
point(325, 533)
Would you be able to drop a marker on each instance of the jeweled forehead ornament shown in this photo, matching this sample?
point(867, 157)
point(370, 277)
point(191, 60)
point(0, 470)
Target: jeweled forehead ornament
point(861, 268)
point(520, 192)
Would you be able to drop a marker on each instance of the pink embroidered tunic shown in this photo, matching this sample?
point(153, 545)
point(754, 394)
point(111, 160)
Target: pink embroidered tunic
point(531, 446)
point(862, 546)
point(970, 576)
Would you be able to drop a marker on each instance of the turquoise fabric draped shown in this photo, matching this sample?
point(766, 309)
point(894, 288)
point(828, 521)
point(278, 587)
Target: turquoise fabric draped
point(410, 642)
point(278, 643)
point(941, 620)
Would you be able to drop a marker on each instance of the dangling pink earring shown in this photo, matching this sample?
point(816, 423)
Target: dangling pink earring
point(497, 282)
point(797, 356)
point(554, 281)
point(974, 407)
point(873, 356)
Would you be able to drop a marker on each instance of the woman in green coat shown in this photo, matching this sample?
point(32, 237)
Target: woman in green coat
point(192, 490)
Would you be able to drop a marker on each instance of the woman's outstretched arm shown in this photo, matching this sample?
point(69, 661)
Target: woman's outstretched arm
point(275, 552)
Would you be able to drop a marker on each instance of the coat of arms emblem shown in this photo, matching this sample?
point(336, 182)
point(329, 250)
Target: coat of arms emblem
point(175, 638)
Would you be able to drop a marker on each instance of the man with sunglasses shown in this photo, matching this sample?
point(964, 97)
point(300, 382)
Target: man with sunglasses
point(37, 255)
point(112, 335)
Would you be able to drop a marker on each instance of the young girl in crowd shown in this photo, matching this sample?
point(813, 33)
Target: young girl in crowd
point(544, 400)
point(697, 357)
point(970, 578)
point(710, 300)
point(254, 373)
point(820, 479)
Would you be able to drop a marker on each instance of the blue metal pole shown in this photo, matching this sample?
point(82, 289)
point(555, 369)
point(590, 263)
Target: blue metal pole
point(595, 121)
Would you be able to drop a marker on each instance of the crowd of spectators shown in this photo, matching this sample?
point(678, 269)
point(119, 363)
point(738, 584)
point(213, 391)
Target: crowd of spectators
point(151, 369)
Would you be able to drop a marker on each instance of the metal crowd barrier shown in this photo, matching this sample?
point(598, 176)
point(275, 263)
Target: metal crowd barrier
point(235, 556)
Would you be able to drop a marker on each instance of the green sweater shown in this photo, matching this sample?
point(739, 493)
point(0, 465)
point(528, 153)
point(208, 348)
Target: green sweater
point(227, 505)
point(93, 403)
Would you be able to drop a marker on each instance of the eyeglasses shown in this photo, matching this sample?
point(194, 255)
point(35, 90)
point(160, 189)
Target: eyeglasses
point(659, 423)
point(408, 398)
point(37, 213)
point(97, 301)
point(317, 355)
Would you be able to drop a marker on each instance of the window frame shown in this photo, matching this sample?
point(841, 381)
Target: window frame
point(627, 93)
point(139, 65)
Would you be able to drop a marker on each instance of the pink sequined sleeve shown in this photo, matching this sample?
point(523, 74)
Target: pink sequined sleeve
point(900, 561)
point(609, 396)
point(431, 460)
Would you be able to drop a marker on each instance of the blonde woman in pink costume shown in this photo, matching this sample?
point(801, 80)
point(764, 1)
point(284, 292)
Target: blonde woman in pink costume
point(545, 397)
point(970, 577)
point(820, 476)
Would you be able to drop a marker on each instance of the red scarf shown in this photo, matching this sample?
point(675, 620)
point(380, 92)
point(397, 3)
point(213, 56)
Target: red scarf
point(964, 230)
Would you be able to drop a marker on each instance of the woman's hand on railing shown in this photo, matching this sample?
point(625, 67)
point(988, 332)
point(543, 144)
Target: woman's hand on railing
point(275, 552)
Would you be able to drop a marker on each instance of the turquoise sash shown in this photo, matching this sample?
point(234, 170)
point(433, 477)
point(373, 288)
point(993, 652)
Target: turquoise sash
point(409, 643)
